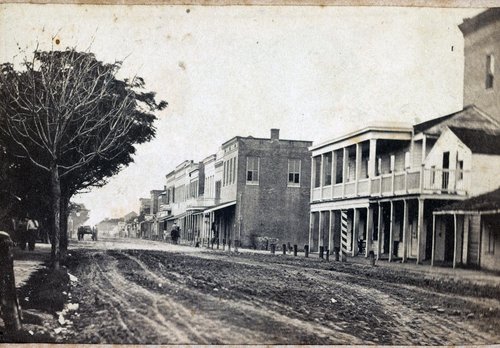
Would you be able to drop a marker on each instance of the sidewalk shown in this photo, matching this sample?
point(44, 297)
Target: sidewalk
point(479, 277)
point(27, 262)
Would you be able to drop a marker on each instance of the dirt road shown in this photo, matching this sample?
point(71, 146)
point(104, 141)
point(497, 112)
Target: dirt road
point(209, 297)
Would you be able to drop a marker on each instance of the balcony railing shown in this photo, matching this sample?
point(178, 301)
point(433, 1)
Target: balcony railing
point(410, 181)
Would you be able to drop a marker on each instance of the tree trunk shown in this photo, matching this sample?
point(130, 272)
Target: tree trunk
point(55, 184)
point(63, 242)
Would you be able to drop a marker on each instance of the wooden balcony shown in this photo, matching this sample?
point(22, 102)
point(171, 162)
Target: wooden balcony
point(411, 181)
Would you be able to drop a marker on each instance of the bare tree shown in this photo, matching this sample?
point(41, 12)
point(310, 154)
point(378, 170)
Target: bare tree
point(70, 115)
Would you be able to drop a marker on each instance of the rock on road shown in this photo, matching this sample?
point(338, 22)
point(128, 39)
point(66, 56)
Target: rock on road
point(157, 293)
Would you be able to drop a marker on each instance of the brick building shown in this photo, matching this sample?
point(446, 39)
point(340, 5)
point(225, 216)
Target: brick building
point(482, 54)
point(262, 189)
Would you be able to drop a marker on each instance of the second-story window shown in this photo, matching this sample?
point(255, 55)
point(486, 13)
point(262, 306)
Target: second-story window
point(293, 172)
point(490, 70)
point(253, 170)
point(460, 169)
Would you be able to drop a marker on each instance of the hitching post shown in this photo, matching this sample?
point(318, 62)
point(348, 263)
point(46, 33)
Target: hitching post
point(284, 249)
point(321, 251)
point(11, 312)
point(306, 250)
point(371, 255)
point(295, 250)
point(273, 248)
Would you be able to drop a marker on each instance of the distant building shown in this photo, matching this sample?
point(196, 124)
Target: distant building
point(183, 201)
point(144, 206)
point(109, 227)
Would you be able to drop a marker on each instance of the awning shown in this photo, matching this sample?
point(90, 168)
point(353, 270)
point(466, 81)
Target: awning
point(165, 218)
point(220, 206)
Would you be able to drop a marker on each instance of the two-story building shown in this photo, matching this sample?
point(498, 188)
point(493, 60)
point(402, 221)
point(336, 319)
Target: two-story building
point(380, 185)
point(376, 189)
point(468, 232)
point(261, 186)
point(183, 201)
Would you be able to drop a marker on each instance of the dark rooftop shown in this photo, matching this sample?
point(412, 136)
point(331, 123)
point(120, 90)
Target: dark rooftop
point(484, 202)
point(470, 25)
point(479, 141)
point(470, 117)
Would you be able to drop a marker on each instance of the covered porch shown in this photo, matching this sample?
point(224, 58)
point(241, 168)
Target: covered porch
point(467, 233)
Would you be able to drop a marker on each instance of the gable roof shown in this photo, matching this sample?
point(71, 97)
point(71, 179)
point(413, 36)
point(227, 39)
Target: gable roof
point(479, 141)
point(484, 202)
point(470, 117)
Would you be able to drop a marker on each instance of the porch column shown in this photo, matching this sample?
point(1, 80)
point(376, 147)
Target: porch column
point(358, 165)
point(310, 229)
point(391, 233)
point(312, 177)
point(424, 150)
point(465, 243)
point(433, 238)
point(372, 158)
point(344, 170)
point(320, 230)
point(334, 170)
point(355, 228)
point(455, 241)
point(369, 230)
point(321, 176)
point(379, 227)
point(421, 232)
point(330, 232)
point(405, 230)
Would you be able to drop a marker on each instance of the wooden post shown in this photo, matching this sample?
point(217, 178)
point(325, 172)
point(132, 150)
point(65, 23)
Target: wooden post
point(11, 312)
point(330, 231)
point(391, 232)
point(320, 230)
point(295, 250)
point(273, 248)
point(405, 230)
point(421, 232)
point(344, 171)
point(455, 241)
point(358, 166)
point(321, 176)
point(284, 249)
point(379, 231)
point(355, 231)
point(321, 251)
point(371, 256)
point(310, 227)
point(306, 250)
point(369, 230)
point(433, 238)
point(327, 255)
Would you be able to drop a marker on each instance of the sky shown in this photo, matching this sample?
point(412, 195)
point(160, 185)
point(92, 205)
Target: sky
point(313, 72)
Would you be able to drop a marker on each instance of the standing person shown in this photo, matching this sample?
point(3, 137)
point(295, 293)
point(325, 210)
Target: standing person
point(32, 232)
point(173, 233)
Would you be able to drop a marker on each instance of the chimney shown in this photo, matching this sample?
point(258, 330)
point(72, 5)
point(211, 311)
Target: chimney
point(275, 134)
